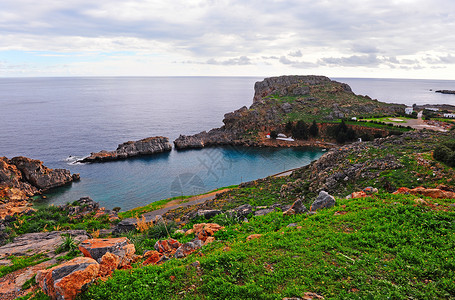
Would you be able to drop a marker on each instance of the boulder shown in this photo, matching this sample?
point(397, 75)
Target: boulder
point(370, 190)
point(324, 200)
point(204, 230)
point(125, 225)
point(241, 211)
point(296, 208)
point(109, 263)
point(167, 247)
point(65, 281)
point(152, 258)
point(97, 248)
point(188, 248)
point(263, 212)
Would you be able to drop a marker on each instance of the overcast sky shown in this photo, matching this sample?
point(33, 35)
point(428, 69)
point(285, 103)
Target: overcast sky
point(349, 38)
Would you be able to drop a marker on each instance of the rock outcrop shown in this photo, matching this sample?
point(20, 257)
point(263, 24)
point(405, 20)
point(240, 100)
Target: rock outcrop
point(65, 281)
point(22, 177)
point(277, 97)
point(147, 146)
point(445, 92)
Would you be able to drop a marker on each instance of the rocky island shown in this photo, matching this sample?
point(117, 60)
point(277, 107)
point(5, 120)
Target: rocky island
point(147, 146)
point(288, 99)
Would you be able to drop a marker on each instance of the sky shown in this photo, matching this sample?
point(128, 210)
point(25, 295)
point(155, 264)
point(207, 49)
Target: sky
point(349, 38)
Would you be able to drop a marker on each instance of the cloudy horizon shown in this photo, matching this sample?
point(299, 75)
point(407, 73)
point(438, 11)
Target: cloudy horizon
point(386, 39)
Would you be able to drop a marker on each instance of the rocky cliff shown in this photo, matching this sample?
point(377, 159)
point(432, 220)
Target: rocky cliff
point(278, 100)
point(147, 146)
point(22, 177)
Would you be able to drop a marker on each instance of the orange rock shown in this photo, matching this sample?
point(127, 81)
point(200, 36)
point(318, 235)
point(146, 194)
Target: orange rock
point(209, 240)
point(153, 257)
point(360, 194)
point(109, 263)
point(432, 193)
point(253, 236)
point(65, 281)
point(402, 190)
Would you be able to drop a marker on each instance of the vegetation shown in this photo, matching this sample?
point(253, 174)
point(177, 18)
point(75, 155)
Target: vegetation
point(446, 153)
point(384, 246)
point(22, 262)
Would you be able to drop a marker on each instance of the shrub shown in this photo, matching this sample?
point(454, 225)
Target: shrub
point(300, 130)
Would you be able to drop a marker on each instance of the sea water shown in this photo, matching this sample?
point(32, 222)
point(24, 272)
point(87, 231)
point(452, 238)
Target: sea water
point(58, 120)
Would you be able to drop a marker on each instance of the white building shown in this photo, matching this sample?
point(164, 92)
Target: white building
point(408, 110)
point(449, 116)
point(432, 109)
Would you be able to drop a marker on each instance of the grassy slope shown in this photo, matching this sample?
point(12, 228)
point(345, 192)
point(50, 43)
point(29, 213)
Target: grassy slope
point(384, 246)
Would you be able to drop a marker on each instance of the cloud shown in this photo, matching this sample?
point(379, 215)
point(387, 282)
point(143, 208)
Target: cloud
point(296, 53)
point(241, 61)
point(375, 34)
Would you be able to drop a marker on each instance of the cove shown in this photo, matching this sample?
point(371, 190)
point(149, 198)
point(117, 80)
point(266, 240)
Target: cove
point(138, 181)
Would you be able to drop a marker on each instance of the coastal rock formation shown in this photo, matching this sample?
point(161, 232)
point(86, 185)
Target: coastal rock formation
point(147, 146)
point(280, 99)
point(22, 177)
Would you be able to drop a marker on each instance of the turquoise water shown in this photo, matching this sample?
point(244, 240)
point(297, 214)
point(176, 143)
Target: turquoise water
point(136, 182)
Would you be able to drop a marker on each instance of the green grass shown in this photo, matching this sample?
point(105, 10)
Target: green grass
point(388, 119)
point(20, 262)
point(383, 247)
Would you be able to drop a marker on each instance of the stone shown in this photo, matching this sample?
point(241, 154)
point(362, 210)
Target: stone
point(153, 258)
point(296, 208)
point(263, 212)
point(147, 146)
point(370, 190)
point(167, 247)
point(360, 194)
point(67, 280)
point(208, 213)
point(96, 248)
point(209, 240)
point(324, 200)
point(253, 236)
point(125, 226)
point(109, 263)
point(432, 193)
point(39, 242)
point(241, 211)
point(188, 248)
point(292, 225)
point(420, 201)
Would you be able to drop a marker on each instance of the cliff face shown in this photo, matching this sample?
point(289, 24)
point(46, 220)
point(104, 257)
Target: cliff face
point(22, 177)
point(278, 100)
point(145, 146)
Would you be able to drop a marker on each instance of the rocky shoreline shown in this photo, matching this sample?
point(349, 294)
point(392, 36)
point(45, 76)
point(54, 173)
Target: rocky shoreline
point(147, 146)
point(22, 178)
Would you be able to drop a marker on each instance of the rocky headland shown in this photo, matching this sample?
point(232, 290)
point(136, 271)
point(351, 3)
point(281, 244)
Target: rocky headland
point(279, 100)
point(147, 146)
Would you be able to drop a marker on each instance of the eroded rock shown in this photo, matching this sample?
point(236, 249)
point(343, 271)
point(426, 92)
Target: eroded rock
point(324, 200)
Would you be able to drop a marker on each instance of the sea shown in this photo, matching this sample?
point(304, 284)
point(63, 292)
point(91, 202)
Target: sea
point(60, 120)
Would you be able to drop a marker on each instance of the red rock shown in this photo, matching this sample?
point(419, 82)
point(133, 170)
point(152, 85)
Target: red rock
point(167, 246)
point(360, 194)
point(65, 281)
point(402, 190)
point(153, 257)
